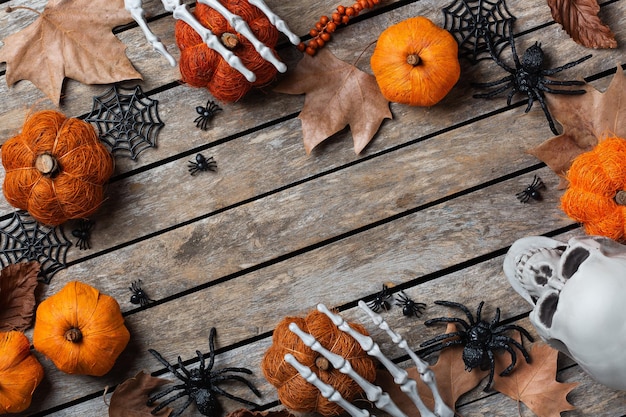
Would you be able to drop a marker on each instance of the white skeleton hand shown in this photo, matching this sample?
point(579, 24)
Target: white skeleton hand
point(374, 393)
point(180, 12)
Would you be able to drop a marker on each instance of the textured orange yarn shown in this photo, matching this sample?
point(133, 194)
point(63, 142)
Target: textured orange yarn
point(293, 390)
point(595, 178)
point(203, 67)
point(75, 189)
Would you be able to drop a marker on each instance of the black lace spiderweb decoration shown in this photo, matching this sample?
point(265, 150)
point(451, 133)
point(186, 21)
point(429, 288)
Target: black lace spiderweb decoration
point(474, 23)
point(22, 238)
point(127, 123)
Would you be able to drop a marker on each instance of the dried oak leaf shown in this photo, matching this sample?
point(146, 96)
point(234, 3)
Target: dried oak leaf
point(70, 38)
point(244, 412)
point(337, 95)
point(17, 295)
point(580, 20)
point(585, 118)
point(534, 383)
point(130, 397)
point(452, 380)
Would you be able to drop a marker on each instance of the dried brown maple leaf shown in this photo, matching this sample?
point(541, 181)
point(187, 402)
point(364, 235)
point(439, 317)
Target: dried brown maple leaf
point(70, 38)
point(585, 118)
point(337, 95)
point(580, 20)
point(17, 295)
point(534, 383)
point(452, 380)
point(130, 397)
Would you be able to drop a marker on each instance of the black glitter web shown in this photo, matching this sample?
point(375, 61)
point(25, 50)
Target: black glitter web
point(474, 23)
point(127, 123)
point(22, 238)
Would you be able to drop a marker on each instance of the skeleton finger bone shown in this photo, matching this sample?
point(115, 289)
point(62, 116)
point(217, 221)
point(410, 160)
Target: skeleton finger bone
point(374, 393)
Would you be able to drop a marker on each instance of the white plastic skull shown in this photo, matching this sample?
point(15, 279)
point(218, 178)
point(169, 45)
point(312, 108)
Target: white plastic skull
point(578, 291)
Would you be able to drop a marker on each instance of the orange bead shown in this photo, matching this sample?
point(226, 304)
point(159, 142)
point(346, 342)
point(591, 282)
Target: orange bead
point(350, 11)
point(310, 51)
point(341, 10)
point(319, 26)
point(320, 43)
point(331, 27)
point(324, 20)
point(345, 19)
point(325, 36)
point(365, 4)
point(357, 8)
point(301, 47)
point(313, 33)
point(336, 18)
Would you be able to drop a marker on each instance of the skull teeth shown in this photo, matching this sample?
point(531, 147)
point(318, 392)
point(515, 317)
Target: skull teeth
point(520, 260)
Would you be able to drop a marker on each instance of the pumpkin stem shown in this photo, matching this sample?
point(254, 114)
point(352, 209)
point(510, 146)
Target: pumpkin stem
point(73, 335)
point(620, 198)
point(413, 59)
point(230, 40)
point(47, 164)
point(322, 363)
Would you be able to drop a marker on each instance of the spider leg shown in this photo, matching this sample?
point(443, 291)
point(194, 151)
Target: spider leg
point(566, 66)
point(460, 307)
point(180, 411)
point(531, 101)
point(240, 379)
point(163, 393)
point(495, 92)
point(183, 368)
point(523, 196)
point(441, 346)
point(496, 318)
point(447, 320)
point(553, 91)
point(509, 96)
point(520, 329)
point(165, 363)
point(479, 311)
point(492, 369)
point(441, 337)
point(220, 391)
point(171, 400)
point(509, 368)
point(544, 107)
point(558, 82)
point(202, 363)
point(508, 78)
point(242, 370)
point(212, 333)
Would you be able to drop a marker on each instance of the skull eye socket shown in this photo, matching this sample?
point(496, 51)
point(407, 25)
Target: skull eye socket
point(547, 309)
point(573, 261)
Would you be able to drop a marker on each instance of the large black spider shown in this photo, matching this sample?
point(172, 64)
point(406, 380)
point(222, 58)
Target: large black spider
point(529, 77)
point(206, 114)
point(200, 384)
point(380, 301)
point(409, 307)
point(480, 339)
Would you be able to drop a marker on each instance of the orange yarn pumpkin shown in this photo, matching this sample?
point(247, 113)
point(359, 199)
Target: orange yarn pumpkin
point(81, 330)
point(20, 372)
point(416, 62)
point(293, 390)
point(596, 195)
point(56, 168)
point(201, 66)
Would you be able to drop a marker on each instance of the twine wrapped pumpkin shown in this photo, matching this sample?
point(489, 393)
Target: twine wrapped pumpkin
point(596, 195)
point(293, 390)
point(56, 168)
point(201, 66)
point(20, 372)
point(81, 330)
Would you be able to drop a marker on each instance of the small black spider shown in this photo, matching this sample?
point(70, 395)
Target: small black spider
point(139, 295)
point(381, 300)
point(200, 384)
point(202, 164)
point(529, 77)
point(409, 307)
point(532, 191)
point(83, 234)
point(206, 114)
point(479, 338)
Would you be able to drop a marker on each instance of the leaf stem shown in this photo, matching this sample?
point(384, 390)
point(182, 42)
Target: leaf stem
point(10, 9)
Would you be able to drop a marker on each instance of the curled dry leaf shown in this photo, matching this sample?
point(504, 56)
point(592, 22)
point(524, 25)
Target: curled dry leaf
point(337, 95)
point(69, 39)
point(452, 380)
point(580, 20)
point(130, 397)
point(17, 295)
point(535, 383)
point(585, 119)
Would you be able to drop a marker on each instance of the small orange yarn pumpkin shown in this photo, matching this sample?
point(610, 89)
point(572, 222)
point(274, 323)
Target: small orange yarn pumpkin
point(416, 62)
point(81, 330)
point(596, 195)
point(56, 168)
point(293, 390)
point(20, 372)
point(201, 66)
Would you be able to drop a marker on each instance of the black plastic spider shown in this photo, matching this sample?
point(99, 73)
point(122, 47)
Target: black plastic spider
point(529, 77)
point(83, 234)
point(409, 307)
point(202, 164)
point(479, 338)
point(139, 295)
point(200, 384)
point(532, 191)
point(381, 300)
point(206, 114)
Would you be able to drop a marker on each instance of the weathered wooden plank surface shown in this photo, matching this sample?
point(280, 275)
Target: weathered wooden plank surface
point(430, 206)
